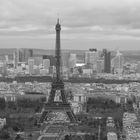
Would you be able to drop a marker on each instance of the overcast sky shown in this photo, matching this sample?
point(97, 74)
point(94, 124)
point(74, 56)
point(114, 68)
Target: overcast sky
point(112, 24)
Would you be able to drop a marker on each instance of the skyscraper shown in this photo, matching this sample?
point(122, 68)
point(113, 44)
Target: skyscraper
point(72, 60)
point(51, 58)
point(138, 67)
point(15, 58)
point(107, 61)
point(37, 60)
point(117, 63)
point(46, 63)
point(24, 54)
point(27, 53)
point(91, 58)
point(4, 69)
point(31, 65)
point(100, 66)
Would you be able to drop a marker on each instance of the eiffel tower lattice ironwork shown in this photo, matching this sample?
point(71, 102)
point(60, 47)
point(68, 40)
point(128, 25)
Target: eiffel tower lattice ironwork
point(58, 84)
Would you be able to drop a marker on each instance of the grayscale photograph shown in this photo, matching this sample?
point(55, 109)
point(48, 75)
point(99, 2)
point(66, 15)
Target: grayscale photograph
point(69, 69)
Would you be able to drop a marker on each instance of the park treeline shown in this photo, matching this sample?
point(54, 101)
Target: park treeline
point(22, 104)
point(22, 79)
point(102, 103)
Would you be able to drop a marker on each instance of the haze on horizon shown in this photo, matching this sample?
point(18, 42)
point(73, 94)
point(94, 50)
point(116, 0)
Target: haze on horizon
point(111, 24)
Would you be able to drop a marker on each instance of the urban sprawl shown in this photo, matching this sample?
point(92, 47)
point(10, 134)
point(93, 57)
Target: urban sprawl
point(79, 110)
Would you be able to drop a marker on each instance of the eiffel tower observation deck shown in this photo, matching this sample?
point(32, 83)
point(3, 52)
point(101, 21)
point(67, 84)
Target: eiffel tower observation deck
point(57, 85)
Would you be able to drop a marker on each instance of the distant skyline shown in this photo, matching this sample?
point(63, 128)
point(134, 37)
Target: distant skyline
point(111, 24)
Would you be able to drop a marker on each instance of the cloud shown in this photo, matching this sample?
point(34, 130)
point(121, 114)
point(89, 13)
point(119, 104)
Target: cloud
point(88, 18)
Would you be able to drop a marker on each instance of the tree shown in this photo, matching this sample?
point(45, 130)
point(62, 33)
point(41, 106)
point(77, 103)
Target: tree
point(67, 137)
point(105, 138)
point(25, 103)
point(37, 109)
point(11, 105)
point(18, 126)
point(30, 135)
point(80, 70)
point(4, 134)
point(18, 137)
point(2, 104)
point(89, 137)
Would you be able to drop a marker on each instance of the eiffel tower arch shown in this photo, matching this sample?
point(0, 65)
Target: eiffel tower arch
point(57, 85)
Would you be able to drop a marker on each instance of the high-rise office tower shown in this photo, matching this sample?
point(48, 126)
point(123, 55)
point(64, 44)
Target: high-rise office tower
point(138, 67)
point(25, 54)
point(6, 58)
point(72, 60)
point(38, 60)
point(31, 65)
point(51, 58)
point(117, 62)
point(65, 59)
point(91, 58)
point(20, 53)
point(107, 61)
point(100, 66)
point(46, 63)
point(15, 58)
point(4, 69)
point(30, 52)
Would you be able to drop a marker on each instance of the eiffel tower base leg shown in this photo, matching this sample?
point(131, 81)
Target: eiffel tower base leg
point(58, 107)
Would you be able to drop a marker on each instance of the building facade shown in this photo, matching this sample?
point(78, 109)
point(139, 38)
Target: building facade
point(107, 61)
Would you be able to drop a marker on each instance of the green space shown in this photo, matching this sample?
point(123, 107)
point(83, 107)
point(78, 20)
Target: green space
point(20, 116)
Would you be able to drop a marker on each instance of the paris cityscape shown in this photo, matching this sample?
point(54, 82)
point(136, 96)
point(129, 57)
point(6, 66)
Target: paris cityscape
point(69, 91)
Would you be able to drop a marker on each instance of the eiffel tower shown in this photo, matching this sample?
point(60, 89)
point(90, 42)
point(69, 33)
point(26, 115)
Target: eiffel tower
point(58, 85)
